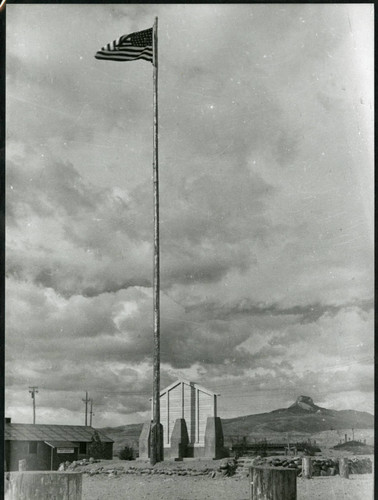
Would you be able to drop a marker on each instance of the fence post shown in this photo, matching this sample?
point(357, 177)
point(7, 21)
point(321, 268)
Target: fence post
point(273, 483)
point(307, 467)
point(344, 468)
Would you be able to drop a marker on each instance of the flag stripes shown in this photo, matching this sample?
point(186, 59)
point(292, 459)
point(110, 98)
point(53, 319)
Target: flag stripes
point(137, 45)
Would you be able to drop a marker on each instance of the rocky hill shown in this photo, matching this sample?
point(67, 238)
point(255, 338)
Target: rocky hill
point(302, 416)
point(302, 419)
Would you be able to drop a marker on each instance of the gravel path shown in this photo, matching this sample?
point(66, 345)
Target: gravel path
point(135, 487)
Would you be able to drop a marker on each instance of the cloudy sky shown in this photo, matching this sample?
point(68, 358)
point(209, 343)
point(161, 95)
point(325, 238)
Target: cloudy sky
point(266, 205)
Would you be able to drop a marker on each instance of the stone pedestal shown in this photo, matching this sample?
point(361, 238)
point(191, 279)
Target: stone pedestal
point(151, 443)
point(179, 440)
point(214, 445)
point(42, 485)
point(156, 444)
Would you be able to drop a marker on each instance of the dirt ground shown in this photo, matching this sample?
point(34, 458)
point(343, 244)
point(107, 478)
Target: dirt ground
point(135, 487)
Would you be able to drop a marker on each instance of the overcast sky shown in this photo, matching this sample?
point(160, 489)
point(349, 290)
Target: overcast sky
point(266, 206)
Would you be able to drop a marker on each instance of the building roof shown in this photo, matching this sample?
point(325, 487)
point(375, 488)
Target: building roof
point(187, 382)
point(41, 432)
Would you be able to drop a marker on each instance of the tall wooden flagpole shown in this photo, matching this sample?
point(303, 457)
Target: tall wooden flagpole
point(156, 436)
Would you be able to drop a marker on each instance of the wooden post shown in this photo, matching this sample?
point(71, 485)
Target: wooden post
point(156, 453)
point(273, 483)
point(307, 467)
point(344, 468)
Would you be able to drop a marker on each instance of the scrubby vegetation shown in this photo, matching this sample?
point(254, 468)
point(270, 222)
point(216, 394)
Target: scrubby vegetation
point(127, 453)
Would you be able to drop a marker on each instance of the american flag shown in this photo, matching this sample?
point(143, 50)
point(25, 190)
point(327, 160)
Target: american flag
point(137, 45)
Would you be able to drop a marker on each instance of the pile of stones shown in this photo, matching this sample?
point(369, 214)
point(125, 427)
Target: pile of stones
point(320, 466)
point(360, 465)
point(223, 468)
point(76, 463)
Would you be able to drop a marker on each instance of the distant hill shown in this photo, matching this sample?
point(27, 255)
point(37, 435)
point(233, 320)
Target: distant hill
point(301, 418)
point(124, 435)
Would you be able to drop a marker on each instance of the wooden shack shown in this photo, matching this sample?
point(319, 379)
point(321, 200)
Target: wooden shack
point(44, 447)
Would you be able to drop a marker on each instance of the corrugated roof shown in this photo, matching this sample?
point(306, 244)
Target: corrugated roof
point(41, 432)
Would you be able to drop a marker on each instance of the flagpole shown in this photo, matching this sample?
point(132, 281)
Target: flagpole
point(156, 439)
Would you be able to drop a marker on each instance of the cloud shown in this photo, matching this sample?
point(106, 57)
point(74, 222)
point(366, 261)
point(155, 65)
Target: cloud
point(265, 158)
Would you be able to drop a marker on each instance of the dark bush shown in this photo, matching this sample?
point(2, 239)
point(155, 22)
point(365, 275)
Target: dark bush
point(127, 453)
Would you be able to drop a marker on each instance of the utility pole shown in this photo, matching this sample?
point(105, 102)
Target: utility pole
point(91, 413)
point(86, 401)
point(33, 390)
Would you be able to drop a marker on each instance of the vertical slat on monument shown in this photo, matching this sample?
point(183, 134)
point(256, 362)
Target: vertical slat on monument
point(197, 415)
